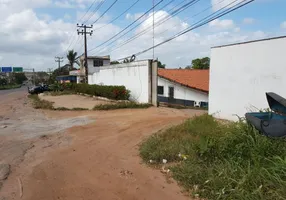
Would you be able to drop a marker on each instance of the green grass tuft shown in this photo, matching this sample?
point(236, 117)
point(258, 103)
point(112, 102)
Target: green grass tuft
point(59, 93)
point(8, 87)
point(40, 104)
point(224, 161)
point(121, 105)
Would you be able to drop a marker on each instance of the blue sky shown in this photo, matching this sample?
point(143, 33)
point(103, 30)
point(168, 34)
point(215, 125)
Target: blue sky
point(35, 31)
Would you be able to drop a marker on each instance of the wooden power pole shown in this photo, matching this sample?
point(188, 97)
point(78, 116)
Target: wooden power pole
point(59, 60)
point(83, 30)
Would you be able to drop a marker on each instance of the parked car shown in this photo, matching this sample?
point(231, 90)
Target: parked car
point(38, 89)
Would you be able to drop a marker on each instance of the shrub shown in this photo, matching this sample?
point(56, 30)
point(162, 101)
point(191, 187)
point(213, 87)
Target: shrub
point(111, 92)
point(223, 161)
point(121, 105)
point(40, 104)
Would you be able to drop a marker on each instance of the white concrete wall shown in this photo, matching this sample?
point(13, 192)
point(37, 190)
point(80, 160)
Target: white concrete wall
point(182, 92)
point(134, 76)
point(92, 69)
point(240, 75)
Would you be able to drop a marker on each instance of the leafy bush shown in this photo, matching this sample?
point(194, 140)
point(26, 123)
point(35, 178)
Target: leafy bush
point(111, 92)
point(223, 161)
point(121, 105)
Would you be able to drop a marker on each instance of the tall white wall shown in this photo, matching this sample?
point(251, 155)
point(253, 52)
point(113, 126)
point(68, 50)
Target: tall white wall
point(241, 74)
point(182, 92)
point(134, 76)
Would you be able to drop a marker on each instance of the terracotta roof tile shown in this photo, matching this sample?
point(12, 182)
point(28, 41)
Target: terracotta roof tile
point(193, 78)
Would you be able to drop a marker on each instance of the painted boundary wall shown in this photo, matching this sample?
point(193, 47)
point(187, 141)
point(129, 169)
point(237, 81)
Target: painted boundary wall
point(140, 77)
point(241, 74)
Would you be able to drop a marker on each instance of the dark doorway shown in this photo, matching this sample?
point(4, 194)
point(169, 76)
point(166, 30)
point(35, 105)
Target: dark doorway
point(171, 92)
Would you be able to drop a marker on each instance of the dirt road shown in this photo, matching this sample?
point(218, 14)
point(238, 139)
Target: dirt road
point(95, 159)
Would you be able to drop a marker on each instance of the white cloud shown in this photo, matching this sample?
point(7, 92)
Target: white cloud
point(32, 40)
point(180, 51)
point(248, 20)
point(283, 25)
point(64, 4)
point(222, 24)
point(135, 16)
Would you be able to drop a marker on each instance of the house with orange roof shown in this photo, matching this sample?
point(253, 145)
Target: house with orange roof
point(188, 87)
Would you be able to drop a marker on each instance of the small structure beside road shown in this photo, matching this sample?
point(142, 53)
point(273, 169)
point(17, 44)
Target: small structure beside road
point(187, 87)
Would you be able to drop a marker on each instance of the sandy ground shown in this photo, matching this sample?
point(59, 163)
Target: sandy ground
point(73, 101)
point(97, 158)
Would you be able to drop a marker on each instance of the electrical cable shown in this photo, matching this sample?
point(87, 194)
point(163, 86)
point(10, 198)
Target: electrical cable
point(138, 25)
point(157, 24)
point(160, 22)
point(126, 27)
point(231, 9)
point(113, 20)
point(72, 41)
point(94, 11)
point(87, 10)
point(105, 12)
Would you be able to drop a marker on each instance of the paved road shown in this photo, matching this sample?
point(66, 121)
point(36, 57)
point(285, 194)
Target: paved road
point(5, 92)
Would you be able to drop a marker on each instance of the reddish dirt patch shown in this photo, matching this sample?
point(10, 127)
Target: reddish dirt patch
point(102, 162)
point(74, 101)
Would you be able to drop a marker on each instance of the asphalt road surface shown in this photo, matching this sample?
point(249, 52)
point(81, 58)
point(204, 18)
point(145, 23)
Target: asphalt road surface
point(6, 92)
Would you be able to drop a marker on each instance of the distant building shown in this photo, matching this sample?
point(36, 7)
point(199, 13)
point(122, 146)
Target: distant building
point(188, 87)
point(93, 63)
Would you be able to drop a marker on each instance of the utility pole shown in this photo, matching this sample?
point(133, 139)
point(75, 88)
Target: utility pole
point(82, 30)
point(59, 60)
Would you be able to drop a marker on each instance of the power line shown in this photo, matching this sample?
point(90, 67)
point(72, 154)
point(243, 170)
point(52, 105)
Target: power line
point(199, 24)
point(94, 11)
point(74, 33)
point(105, 12)
point(142, 22)
point(88, 10)
point(161, 21)
point(127, 26)
point(158, 24)
point(119, 15)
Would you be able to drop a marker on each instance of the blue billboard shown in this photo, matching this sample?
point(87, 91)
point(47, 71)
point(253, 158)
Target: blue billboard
point(6, 69)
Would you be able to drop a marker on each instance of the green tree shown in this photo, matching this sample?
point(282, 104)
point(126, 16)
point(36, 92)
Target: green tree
point(200, 63)
point(3, 81)
point(18, 78)
point(160, 65)
point(114, 62)
point(71, 56)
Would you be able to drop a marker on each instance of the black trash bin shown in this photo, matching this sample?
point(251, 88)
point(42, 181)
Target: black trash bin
point(272, 124)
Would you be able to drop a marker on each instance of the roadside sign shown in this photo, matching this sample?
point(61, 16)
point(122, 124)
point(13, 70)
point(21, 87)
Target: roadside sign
point(17, 69)
point(6, 69)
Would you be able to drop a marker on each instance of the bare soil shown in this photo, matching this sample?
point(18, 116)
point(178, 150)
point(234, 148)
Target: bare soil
point(97, 158)
point(74, 101)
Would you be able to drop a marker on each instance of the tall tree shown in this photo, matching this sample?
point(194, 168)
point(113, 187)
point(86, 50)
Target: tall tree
point(201, 63)
point(71, 56)
point(160, 65)
point(18, 78)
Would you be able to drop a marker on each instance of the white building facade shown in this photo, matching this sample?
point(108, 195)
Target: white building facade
point(241, 74)
point(175, 93)
point(140, 77)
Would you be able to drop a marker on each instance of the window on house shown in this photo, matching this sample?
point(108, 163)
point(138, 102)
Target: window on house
point(97, 63)
point(160, 90)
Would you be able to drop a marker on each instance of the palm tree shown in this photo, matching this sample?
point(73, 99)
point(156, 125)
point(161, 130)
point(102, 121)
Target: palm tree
point(71, 56)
